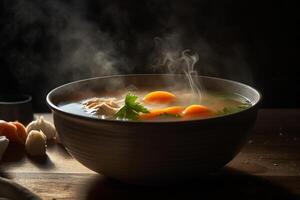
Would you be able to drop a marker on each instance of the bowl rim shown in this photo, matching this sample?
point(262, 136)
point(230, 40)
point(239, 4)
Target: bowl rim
point(82, 117)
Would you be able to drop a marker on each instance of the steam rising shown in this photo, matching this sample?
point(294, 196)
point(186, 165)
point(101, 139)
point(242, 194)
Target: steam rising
point(189, 72)
point(87, 50)
point(184, 62)
point(177, 61)
point(62, 41)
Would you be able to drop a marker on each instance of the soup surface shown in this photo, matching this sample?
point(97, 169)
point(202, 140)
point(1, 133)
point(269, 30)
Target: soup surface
point(157, 105)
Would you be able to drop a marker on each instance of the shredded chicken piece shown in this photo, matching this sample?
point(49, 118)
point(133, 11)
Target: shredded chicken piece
point(102, 106)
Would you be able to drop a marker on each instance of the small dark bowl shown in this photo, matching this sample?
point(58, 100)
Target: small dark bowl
point(151, 153)
point(16, 107)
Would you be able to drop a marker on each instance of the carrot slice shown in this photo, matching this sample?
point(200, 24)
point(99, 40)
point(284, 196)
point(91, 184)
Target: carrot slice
point(174, 110)
point(159, 97)
point(196, 111)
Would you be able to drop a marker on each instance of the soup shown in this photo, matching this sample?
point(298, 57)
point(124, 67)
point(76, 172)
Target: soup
point(158, 105)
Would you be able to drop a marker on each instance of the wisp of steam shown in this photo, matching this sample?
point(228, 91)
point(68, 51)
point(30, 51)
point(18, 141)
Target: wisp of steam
point(183, 62)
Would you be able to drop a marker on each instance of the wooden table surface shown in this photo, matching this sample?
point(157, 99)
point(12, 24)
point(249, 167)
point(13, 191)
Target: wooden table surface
point(268, 167)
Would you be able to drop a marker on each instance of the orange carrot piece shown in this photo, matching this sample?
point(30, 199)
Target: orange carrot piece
point(159, 97)
point(174, 110)
point(21, 132)
point(196, 111)
point(9, 130)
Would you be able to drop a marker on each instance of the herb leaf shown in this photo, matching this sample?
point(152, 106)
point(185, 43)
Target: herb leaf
point(233, 109)
point(131, 109)
point(130, 101)
point(168, 115)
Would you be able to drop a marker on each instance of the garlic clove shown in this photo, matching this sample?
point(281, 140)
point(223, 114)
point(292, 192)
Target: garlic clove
point(35, 144)
point(45, 126)
point(31, 126)
point(49, 128)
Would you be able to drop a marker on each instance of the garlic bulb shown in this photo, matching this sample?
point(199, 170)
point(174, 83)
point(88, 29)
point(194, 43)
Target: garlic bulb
point(3, 145)
point(42, 125)
point(35, 144)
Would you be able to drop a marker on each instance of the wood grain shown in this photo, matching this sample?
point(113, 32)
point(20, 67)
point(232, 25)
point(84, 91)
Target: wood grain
point(268, 167)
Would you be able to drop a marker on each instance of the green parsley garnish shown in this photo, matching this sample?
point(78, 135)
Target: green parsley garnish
point(131, 109)
point(168, 115)
point(233, 109)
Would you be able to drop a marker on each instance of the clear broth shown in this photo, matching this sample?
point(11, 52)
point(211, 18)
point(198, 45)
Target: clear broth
point(219, 103)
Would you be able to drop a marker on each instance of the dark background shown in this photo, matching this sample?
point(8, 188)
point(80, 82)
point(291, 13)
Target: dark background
point(255, 42)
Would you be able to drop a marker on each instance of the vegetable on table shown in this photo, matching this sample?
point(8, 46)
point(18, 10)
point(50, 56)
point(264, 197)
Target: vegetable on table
point(34, 136)
point(36, 143)
point(21, 132)
point(45, 126)
point(14, 131)
point(8, 130)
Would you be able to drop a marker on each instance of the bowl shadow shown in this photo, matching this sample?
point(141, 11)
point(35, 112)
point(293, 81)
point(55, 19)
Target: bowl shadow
point(228, 184)
point(42, 162)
